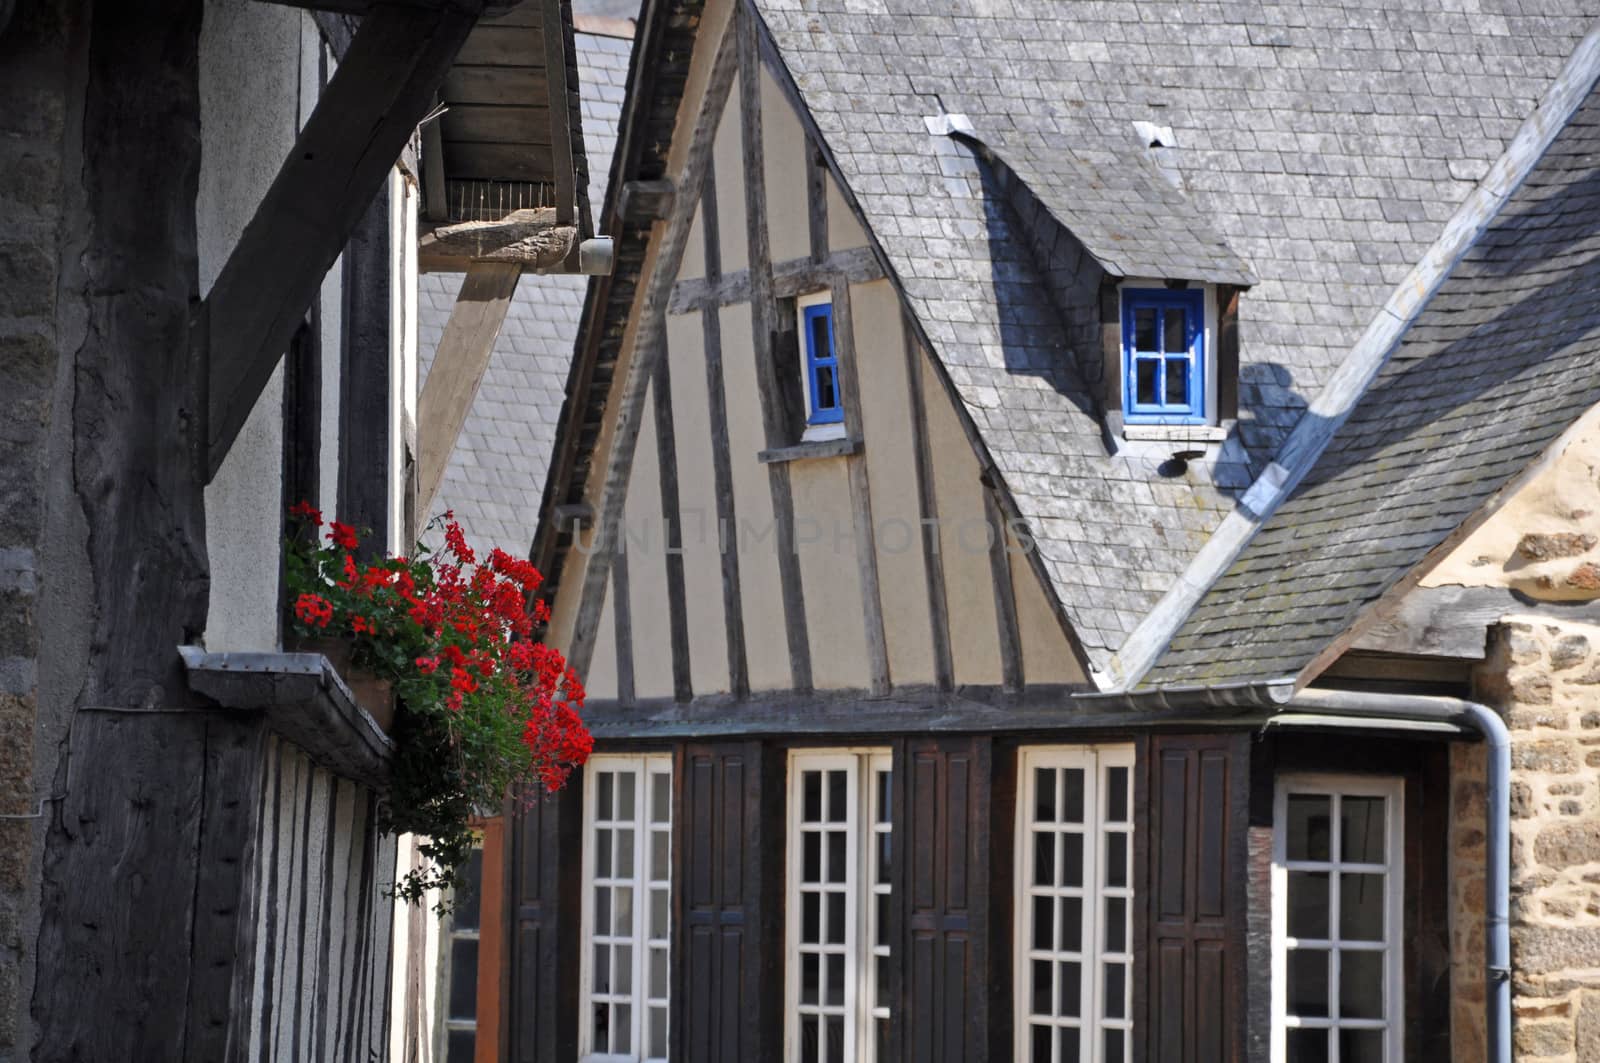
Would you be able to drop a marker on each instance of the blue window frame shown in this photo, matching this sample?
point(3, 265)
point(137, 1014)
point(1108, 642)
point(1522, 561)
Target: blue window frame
point(1163, 356)
point(822, 366)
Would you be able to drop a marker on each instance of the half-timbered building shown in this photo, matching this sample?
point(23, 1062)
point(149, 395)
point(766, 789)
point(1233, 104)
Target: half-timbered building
point(1041, 505)
point(215, 214)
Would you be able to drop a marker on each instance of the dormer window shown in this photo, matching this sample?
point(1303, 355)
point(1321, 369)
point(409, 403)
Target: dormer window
point(824, 403)
point(1164, 356)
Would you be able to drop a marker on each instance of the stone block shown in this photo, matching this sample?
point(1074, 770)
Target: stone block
point(1586, 577)
point(1539, 950)
point(1540, 546)
point(1568, 844)
point(1569, 650)
point(1587, 1025)
point(1550, 755)
point(1544, 1038)
point(27, 280)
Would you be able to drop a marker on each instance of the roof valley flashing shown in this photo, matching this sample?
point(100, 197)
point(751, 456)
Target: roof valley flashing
point(1316, 427)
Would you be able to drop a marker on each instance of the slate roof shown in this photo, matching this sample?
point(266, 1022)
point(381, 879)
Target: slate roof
point(1325, 142)
point(497, 471)
point(1502, 360)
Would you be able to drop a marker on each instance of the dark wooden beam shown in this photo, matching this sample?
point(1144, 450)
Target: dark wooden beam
point(380, 92)
point(1005, 599)
point(556, 89)
point(642, 202)
point(531, 239)
point(363, 7)
point(928, 511)
point(671, 521)
point(796, 276)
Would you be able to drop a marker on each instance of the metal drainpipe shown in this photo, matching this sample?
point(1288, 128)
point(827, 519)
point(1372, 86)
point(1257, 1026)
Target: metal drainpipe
point(1487, 722)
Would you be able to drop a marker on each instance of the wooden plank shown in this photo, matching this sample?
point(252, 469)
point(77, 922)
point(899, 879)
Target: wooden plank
point(721, 458)
point(816, 201)
point(337, 31)
point(491, 945)
point(795, 276)
point(562, 157)
point(1005, 600)
point(341, 157)
point(641, 202)
point(866, 548)
point(1452, 621)
point(470, 161)
point(763, 326)
point(928, 511)
point(496, 124)
point(458, 368)
point(672, 522)
point(364, 462)
point(489, 84)
point(497, 43)
point(529, 239)
point(436, 206)
point(545, 903)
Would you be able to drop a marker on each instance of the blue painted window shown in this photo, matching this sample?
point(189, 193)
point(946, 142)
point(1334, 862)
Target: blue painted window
point(822, 367)
point(1163, 356)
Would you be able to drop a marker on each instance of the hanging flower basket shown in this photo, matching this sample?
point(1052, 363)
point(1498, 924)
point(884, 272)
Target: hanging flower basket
point(442, 644)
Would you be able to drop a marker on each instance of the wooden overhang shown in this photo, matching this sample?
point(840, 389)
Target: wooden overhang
point(511, 151)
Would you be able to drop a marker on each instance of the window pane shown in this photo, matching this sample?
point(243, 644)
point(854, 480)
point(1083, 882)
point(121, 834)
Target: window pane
point(1072, 924)
point(810, 917)
point(622, 911)
point(1144, 381)
point(466, 914)
point(624, 865)
point(827, 390)
point(1044, 923)
point(835, 1039)
point(1069, 1001)
point(661, 800)
point(605, 784)
point(1041, 987)
point(1360, 985)
point(1116, 1049)
point(1068, 1042)
point(602, 909)
point(1116, 935)
point(1308, 982)
point(1360, 1046)
point(1310, 827)
point(626, 784)
point(658, 1033)
point(810, 977)
point(885, 852)
point(1072, 802)
point(836, 908)
point(463, 1043)
point(1361, 830)
point(658, 913)
point(1308, 1046)
point(1044, 795)
point(809, 1048)
point(1116, 986)
point(1044, 859)
point(622, 1033)
point(1177, 382)
point(1040, 1038)
point(885, 796)
point(811, 796)
point(463, 978)
point(622, 968)
point(835, 986)
point(602, 1027)
point(838, 787)
point(1361, 907)
point(1144, 329)
point(1072, 860)
point(820, 347)
point(1308, 904)
point(660, 855)
point(811, 857)
point(1175, 337)
point(602, 968)
point(1116, 859)
point(602, 853)
point(658, 973)
point(836, 858)
point(1117, 795)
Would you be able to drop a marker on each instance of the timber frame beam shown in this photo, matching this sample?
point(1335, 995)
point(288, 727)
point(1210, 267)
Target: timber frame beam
point(458, 369)
point(383, 88)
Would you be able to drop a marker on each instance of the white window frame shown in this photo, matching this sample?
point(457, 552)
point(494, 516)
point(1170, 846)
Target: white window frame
point(861, 1010)
point(1095, 762)
point(1392, 789)
point(814, 433)
point(645, 767)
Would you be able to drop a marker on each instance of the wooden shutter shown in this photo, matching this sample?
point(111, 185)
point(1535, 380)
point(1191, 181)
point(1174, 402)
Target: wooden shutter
point(941, 875)
point(1198, 803)
point(541, 983)
point(726, 969)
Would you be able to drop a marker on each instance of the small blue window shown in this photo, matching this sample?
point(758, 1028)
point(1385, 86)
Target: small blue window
point(822, 368)
point(1163, 356)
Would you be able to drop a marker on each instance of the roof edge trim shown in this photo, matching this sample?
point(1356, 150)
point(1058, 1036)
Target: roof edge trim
point(1355, 374)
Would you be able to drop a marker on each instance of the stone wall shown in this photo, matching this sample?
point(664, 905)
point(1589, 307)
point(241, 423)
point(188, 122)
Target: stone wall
point(1544, 676)
point(33, 58)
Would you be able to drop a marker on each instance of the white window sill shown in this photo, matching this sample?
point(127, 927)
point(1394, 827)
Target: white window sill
point(1175, 433)
point(822, 433)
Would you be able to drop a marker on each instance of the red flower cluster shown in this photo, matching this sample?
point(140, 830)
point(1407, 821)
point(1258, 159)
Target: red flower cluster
point(313, 610)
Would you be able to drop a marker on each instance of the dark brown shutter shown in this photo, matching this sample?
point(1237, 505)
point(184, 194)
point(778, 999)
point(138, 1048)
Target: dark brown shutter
point(541, 984)
point(941, 832)
point(1199, 792)
point(727, 974)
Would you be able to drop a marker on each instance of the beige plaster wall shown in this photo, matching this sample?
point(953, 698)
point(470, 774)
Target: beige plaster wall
point(601, 682)
point(1544, 677)
point(727, 156)
point(1047, 655)
point(647, 567)
point(783, 149)
point(1545, 540)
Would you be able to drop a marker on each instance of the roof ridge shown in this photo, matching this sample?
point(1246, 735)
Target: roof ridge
point(1300, 452)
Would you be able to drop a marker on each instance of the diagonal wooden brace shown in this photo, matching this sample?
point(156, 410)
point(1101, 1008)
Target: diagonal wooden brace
point(382, 89)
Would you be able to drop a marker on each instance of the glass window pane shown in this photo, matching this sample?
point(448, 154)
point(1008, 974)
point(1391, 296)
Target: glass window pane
point(810, 1050)
point(1360, 1046)
point(835, 1038)
point(658, 913)
point(1044, 795)
point(1069, 998)
point(660, 855)
point(835, 986)
point(811, 796)
point(1069, 1041)
point(1360, 985)
point(885, 796)
point(661, 798)
point(820, 348)
point(602, 909)
point(885, 853)
point(622, 968)
point(1144, 381)
point(622, 1033)
point(1308, 904)
point(827, 395)
point(1144, 329)
point(1361, 907)
point(625, 788)
point(1040, 1038)
point(1310, 827)
point(1072, 797)
point(836, 912)
point(1308, 1046)
point(624, 852)
point(1116, 859)
point(1116, 1048)
point(658, 1033)
point(1072, 924)
point(1175, 337)
point(622, 911)
point(602, 968)
point(1044, 923)
point(810, 917)
point(1308, 982)
point(1116, 988)
point(836, 858)
point(463, 978)
point(1177, 382)
point(466, 914)
point(811, 856)
point(1072, 859)
point(1361, 830)
point(602, 853)
point(602, 1027)
point(1116, 936)
point(838, 787)
point(810, 977)
point(1041, 987)
point(462, 1045)
point(658, 973)
point(1117, 795)
point(605, 783)
point(1044, 859)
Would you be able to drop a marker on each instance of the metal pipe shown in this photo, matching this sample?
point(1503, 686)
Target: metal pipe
point(1487, 722)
